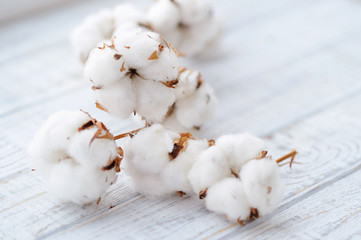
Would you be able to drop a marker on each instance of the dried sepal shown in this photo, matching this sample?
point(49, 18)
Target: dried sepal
point(111, 46)
point(115, 163)
point(180, 193)
point(253, 215)
point(203, 193)
point(117, 56)
point(180, 145)
point(234, 173)
point(199, 81)
point(123, 135)
point(86, 125)
point(161, 47)
point(96, 88)
point(99, 106)
point(171, 83)
point(262, 155)
point(170, 110)
point(154, 56)
point(240, 222)
point(122, 69)
point(211, 142)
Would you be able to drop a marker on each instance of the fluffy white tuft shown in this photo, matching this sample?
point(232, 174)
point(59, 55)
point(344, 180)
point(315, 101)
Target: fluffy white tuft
point(210, 167)
point(262, 184)
point(69, 162)
point(227, 197)
point(240, 148)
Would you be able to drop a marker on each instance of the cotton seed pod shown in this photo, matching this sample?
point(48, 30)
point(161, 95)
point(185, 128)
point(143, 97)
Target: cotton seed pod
point(76, 156)
point(190, 24)
point(262, 184)
point(227, 197)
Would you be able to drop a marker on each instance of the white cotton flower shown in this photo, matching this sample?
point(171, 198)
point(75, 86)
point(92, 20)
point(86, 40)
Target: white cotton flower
point(153, 99)
point(149, 149)
point(75, 155)
point(146, 156)
point(158, 160)
point(227, 197)
point(100, 27)
point(262, 184)
point(127, 13)
point(240, 148)
point(195, 100)
point(210, 167)
point(94, 29)
point(189, 24)
point(131, 73)
point(175, 173)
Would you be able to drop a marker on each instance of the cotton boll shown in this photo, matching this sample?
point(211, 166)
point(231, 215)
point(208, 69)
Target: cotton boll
point(202, 38)
point(193, 11)
point(118, 98)
point(153, 99)
point(210, 167)
point(163, 15)
point(127, 13)
point(74, 155)
point(130, 74)
point(103, 66)
point(228, 197)
point(188, 81)
point(194, 110)
point(175, 172)
point(240, 148)
point(188, 24)
point(94, 29)
point(149, 149)
point(262, 184)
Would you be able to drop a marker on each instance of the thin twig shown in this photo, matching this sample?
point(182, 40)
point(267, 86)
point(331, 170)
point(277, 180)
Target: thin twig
point(291, 155)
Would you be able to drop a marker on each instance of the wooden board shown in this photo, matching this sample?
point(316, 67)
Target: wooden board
point(287, 71)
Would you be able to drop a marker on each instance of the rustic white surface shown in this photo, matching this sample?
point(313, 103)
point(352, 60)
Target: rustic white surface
point(289, 71)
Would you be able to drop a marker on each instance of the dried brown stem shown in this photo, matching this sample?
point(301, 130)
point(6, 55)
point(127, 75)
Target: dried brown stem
point(262, 155)
point(291, 155)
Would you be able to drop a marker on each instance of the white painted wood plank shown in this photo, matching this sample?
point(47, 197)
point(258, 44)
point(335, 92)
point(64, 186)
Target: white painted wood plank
point(296, 84)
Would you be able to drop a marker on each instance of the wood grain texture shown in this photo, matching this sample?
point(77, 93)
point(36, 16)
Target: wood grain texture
point(288, 71)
